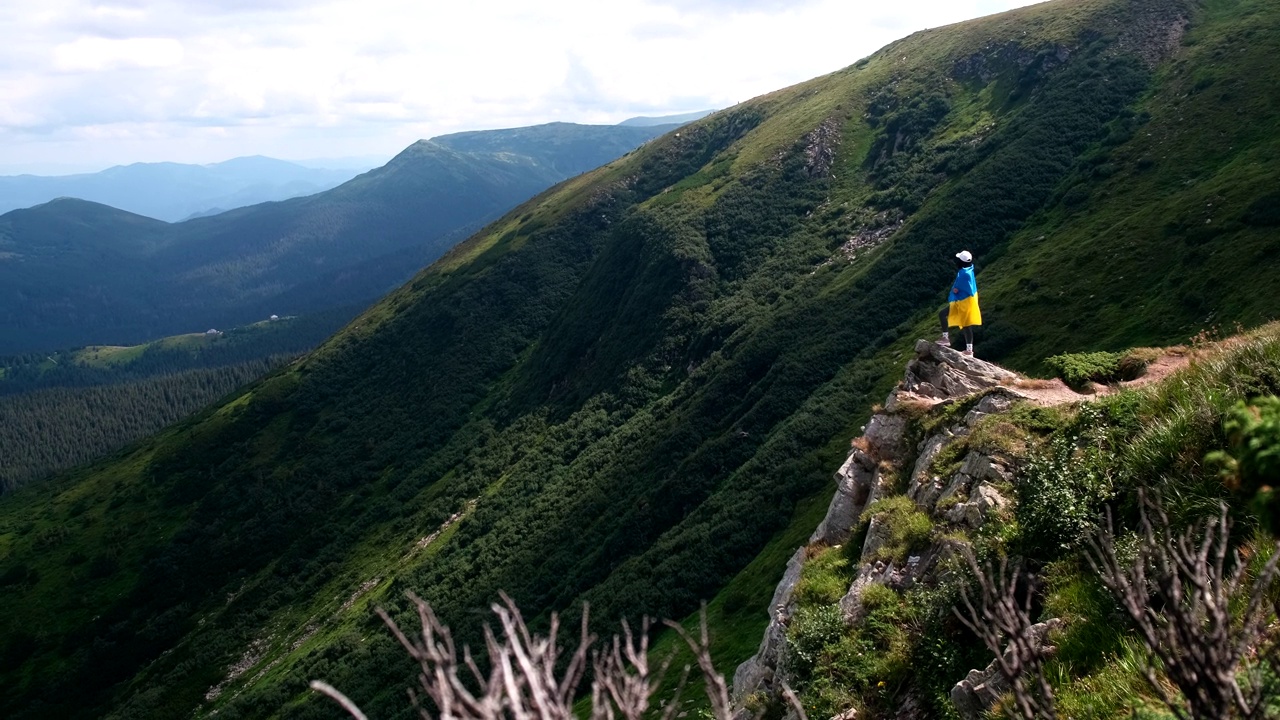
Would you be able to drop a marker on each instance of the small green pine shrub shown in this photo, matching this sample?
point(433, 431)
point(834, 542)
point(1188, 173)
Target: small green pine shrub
point(909, 527)
point(811, 630)
point(1064, 486)
point(1079, 369)
point(1251, 463)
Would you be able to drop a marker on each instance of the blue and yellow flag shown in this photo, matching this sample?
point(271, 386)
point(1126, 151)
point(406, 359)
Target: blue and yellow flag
point(964, 310)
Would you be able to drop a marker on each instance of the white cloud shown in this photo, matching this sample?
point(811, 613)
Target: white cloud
point(203, 80)
point(96, 54)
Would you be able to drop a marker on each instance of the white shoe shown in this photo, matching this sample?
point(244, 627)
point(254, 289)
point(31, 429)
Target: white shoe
point(968, 352)
point(944, 340)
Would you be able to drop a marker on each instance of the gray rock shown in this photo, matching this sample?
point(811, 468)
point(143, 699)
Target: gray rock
point(853, 486)
point(757, 672)
point(958, 488)
point(989, 500)
point(884, 436)
point(923, 487)
point(980, 689)
point(982, 467)
point(983, 501)
point(870, 573)
point(938, 371)
point(882, 486)
point(997, 401)
point(889, 574)
point(877, 535)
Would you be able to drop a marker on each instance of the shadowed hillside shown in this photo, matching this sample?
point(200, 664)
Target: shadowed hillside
point(632, 390)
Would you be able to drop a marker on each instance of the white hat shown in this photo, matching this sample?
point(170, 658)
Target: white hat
point(965, 256)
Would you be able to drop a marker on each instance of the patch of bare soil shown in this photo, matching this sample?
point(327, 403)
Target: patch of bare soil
point(1055, 392)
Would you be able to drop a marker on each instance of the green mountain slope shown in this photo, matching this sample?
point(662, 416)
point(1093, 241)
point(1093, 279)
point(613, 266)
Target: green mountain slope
point(76, 273)
point(632, 389)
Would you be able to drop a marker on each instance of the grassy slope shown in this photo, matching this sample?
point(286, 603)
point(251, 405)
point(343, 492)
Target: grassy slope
point(639, 376)
point(1175, 205)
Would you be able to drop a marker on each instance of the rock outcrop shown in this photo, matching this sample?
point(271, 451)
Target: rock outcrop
point(981, 689)
point(884, 462)
point(954, 487)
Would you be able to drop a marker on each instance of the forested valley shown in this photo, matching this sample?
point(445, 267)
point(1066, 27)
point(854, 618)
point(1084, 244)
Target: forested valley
point(65, 408)
point(43, 431)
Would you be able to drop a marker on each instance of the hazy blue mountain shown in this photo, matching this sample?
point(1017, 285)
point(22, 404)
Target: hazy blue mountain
point(644, 121)
point(565, 148)
point(75, 272)
point(174, 191)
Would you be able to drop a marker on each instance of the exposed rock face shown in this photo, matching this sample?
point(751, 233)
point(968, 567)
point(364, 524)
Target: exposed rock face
point(853, 486)
point(820, 148)
point(940, 372)
point(980, 689)
point(875, 468)
point(988, 63)
point(758, 671)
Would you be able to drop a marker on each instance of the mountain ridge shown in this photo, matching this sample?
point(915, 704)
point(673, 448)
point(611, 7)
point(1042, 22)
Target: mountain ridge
point(275, 258)
point(631, 389)
point(171, 191)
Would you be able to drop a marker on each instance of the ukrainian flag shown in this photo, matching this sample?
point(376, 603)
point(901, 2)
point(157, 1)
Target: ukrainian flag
point(964, 310)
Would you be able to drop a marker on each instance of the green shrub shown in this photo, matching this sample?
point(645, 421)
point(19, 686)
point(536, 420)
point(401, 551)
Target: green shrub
point(1079, 369)
point(1252, 461)
point(869, 665)
point(1064, 486)
point(811, 630)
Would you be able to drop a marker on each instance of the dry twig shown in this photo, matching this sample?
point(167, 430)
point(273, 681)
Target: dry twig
point(1202, 645)
point(527, 679)
point(1000, 619)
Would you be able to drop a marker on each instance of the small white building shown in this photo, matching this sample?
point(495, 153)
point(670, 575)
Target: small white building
point(275, 318)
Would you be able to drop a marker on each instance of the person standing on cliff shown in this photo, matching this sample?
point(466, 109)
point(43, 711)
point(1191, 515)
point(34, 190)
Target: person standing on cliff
point(962, 309)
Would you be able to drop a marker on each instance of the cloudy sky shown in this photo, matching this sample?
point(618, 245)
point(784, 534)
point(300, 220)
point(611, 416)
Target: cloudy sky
point(85, 84)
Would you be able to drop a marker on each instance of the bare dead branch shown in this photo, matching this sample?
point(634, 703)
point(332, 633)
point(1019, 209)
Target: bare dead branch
point(717, 689)
point(527, 679)
point(790, 696)
point(325, 688)
point(1179, 592)
point(1005, 626)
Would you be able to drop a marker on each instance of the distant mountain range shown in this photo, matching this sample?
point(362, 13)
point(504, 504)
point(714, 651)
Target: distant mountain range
point(75, 272)
point(173, 191)
point(176, 191)
point(644, 121)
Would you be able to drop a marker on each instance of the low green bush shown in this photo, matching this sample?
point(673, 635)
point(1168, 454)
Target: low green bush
point(1064, 486)
point(1079, 369)
point(811, 630)
point(1251, 462)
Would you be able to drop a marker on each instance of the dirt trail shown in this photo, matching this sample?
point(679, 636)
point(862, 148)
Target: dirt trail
point(1056, 392)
